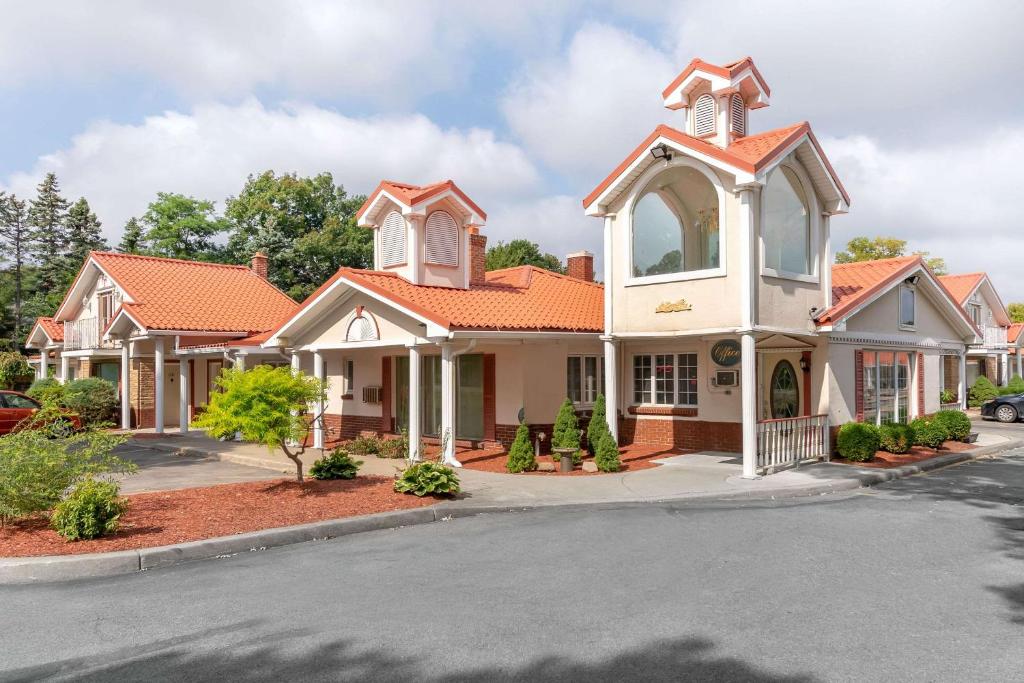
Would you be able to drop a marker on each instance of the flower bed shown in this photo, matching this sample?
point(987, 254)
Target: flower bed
point(633, 458)
point(886, 460)
point(166, 517)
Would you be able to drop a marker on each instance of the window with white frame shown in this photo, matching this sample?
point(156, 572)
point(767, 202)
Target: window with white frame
point(704, 116)
point(908, 306)
point(665, 379)
point(787, 224)
point(392, 240)
point(975, 311)
point(886, 395)
point(584, 378)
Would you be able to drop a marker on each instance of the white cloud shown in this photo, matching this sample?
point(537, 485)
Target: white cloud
point(209, 151)
point(556, 223)
point(581, 113)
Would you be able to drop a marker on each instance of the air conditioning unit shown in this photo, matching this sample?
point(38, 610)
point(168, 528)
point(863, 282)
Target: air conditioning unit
point(372, 394)
point(726, 378)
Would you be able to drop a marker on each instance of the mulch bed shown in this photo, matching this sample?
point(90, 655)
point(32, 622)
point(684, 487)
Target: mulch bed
point(166, 517)
point(632, 460)
point(885, 460)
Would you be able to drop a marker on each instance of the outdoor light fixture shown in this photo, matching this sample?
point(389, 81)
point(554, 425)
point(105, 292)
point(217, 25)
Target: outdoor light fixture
point(805, 364)
point(661, 151)
point(913, 279)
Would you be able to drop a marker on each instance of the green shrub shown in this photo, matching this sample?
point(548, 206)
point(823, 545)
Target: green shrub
point(896, 437)
point(567, 431)
point(394, 448)
point(1016, 384)
point(364, 445)
point(93, 399)
point(947, 396)
point(15, 372)
point(858, 441)
point(47, 391)
point(336, 465)
point(36, 469)
point(520, 455)
point(607, 456)
point(955, 422)
point(92, 509)
point(598, 424)
point(981, 391)
point(928, 433)
point(428, 478)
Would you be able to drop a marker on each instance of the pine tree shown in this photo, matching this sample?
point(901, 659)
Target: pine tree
point(520, 455)
point(49, 239)
point(14, 234)
point(606, 454)
point(132, 241)
point(567, 430)
point(597, 425)
point(83, 229)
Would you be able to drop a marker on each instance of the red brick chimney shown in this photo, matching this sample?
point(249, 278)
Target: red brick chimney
point(259, 264)
point(580, 265)
point(477, 258)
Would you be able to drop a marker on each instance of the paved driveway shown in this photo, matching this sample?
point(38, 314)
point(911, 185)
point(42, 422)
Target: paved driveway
point(162, 471)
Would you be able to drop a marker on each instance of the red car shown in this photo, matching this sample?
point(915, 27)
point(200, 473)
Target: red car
point(15, 407)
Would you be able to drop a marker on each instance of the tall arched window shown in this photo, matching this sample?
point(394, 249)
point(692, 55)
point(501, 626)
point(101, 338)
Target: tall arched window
point(737, 115)
point(441, 243)
point(785, 394)
point(704, 116)
point(675, 224)
point(787, 224)
point(392, 240)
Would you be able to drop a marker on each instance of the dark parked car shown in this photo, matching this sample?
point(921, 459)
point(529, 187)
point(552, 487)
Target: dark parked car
point(1005, 408)
point(15, 407)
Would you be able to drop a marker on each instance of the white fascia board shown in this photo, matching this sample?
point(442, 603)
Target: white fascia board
point(679, 97)
point(117, 321)
point(420, 209)
point(1000, 307)
point(839, 203)
point(365, 221)
point(81, 281)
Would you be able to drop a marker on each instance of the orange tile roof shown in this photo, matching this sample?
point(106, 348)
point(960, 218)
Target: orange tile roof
point(514, 299)
point(1013, 333)
point(961, 286)
point(53, 330)
point(172, 294)
point(411, 195)
point(727, 71)
point(854, 283)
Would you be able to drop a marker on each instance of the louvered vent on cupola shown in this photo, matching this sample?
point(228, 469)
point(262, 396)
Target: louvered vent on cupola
point(442, 239)
point(738, 115)
point(392, 240)
point(704, 116)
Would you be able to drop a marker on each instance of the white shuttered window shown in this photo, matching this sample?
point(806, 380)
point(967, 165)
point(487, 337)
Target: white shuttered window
point(704, 116)
point(442, 239)
point(737, 115)
point(392, 240)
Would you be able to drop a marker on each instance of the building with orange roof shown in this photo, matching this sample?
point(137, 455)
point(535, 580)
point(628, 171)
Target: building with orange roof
point(160, 329)
point(1015, 340)
point(979, 298)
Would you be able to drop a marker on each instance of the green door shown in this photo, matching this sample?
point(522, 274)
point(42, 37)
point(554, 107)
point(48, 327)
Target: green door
point(469, 399)
point(469, 421)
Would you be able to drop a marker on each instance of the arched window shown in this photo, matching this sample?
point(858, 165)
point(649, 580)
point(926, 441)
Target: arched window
point(392, 240)
point(442, 239)
point(785, 394)
point(675, 224)
point(787, 224)
point(704, 116)
point(361, 329)
point(737, 115)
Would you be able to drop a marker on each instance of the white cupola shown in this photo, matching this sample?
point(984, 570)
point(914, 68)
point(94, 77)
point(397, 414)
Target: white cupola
point(715, 100)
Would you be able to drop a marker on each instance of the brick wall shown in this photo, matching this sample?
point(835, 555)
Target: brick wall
point(694, 434)
point(477, 259)
point(350, 426)
point(143, 392)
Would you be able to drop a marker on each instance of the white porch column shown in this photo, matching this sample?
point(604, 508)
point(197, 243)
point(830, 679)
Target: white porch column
point(64, 360)
point(158, 359)
point(126, 393)
point(962, 384)
point(296, 363)
point(448, 360)
point(44, 360)
point(414, 403)
point(611, 386)
point(184, 365)
point(239, 363)
point(748, 383)
point(1020, 361)
point(1004, 369)
point(319, 371)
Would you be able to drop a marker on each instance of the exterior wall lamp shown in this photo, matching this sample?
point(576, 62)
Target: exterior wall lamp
point(661, 152)
point(805, 364)
point(913, 279)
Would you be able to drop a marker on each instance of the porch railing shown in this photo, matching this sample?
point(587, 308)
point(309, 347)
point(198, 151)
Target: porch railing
point(995, 337)
point(791, 441)
point(84, 334)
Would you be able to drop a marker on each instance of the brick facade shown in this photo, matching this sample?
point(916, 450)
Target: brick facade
point(690, 434)
point(477, 259)
point(580, 266)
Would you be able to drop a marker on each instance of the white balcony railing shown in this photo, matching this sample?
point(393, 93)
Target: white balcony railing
point(995, 337)
point(84, 334)
point(791, 441)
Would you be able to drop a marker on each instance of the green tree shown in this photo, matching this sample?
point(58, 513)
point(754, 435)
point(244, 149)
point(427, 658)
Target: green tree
point(183, 227)
point(49, 236)
point(15, 236)
point(1016, 310)
point(265, 405)
point(132, 239)
point(306, 225)
point(598, 424)
point(83, 233)
point(520, 455)
point(864, 249)
point(521, 252)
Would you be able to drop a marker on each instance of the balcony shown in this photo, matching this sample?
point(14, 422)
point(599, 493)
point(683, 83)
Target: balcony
point(85, 334)
point(995, 337)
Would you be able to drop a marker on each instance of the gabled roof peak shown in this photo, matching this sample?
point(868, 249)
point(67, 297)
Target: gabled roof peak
point(412, 197)
point(740, 76)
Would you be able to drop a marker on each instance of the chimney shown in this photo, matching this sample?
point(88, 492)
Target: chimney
point(580, 265)
point(477, 258)
point(259, 264)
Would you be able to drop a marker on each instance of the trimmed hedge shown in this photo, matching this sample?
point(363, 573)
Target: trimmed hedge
point(858, 441)
point(896, 437)
point(981, 391)
point(955, 422)
point(928, 433)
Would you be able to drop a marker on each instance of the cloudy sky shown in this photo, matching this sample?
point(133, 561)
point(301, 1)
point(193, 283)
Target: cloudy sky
point(527, 105)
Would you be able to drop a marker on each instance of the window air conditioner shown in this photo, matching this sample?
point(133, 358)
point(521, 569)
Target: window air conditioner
point(726, 378)
point(371, 394)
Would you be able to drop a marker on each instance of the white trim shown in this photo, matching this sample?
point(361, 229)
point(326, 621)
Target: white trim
point(911, 327)
point(813, 225)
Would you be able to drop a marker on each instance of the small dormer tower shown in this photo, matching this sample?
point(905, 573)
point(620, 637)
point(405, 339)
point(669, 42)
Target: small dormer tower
point(423, 232)
point(715, 101)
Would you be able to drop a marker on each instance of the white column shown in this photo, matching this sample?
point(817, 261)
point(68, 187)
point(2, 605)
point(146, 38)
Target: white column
point(320, 373)
point(44, 360)
point(413, 258)
point(126, 393)
point(64, 361)
point(184, 364)
point(414, 403)
point(1004, 369)
point(239, 363)
point(611, 386)
point(296, 363)
point(448, 360)
point(158, 359)
point(962, 385)
point(1020, 361)
point(748, 381)
point(748, 259)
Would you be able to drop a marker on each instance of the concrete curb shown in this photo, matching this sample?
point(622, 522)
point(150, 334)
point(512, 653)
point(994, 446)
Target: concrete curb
point(55, 568)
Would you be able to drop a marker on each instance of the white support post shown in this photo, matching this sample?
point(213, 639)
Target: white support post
point(158, 360)
point(448, 360)
point(748, 379)
point(44, 359)
point(64, 368)
point(1020, 362)
point(414, 403)
point(126, 393)
point(1004, 370)
point(184, 365)
point(319, 371)
point(611, 387)
point(962, 384)
point(239, 363)
point(296, 363)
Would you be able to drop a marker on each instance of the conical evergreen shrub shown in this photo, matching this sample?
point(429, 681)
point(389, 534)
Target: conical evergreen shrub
point(520, 455)
point(567, 430)
point(598, 424)
point(607, 457)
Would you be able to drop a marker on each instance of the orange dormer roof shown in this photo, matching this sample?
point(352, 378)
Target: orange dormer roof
point(1013, 333)
point(412, 195)
point(962, 286)
point(54, 331)
point(730, 70)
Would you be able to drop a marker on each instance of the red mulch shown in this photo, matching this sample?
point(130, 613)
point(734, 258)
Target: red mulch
point(632, 457)
point(167, 517)
point(885, 460)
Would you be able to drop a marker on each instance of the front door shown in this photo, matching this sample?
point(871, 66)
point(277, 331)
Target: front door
point(469, 403)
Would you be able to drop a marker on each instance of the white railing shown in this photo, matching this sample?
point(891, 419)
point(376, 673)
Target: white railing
point(791, 441)
point(995, 336)
point(84, 334)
